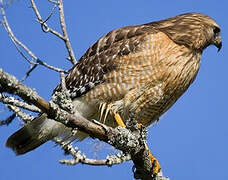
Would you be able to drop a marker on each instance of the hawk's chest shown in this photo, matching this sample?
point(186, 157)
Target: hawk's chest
point(181, 73)
point(171, 79)
point(179, 77)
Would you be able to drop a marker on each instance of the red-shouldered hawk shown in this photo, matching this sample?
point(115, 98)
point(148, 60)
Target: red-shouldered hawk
point(136, 71)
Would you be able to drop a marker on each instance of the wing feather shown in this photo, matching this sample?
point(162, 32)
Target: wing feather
point(99, 58)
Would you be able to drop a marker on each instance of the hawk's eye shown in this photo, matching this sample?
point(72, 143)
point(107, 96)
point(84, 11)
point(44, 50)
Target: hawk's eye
point(216, 31)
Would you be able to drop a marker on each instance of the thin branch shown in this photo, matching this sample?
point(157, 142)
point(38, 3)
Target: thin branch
point(65, 34)
point(16, 102)
point(63, 83)
point(40, 62)
point(46, 28)
point(49, 16)
point(8, 120)
point(81, 158)
point(32, 67)
point(78, 157)
point(117, 158)
point(19, 44)
point(14, 39)
point(21, 114)
point(41, 21)
point(54, 2)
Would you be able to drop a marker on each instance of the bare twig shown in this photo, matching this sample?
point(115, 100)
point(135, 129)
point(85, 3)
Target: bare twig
point(46, 28)
point(8, 120)
point(41, 21)
point(32, 67)
point(19, 44)
point(51, 13)
point(54, 2)
point(63, 26)
point(13, 37)
point(16, 102)
point(50, 67)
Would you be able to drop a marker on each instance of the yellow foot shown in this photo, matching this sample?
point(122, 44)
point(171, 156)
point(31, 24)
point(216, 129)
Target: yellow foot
point(119, 120)
point(156, 165)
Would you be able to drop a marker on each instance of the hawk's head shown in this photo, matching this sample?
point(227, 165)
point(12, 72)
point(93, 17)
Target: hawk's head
point(194, 30)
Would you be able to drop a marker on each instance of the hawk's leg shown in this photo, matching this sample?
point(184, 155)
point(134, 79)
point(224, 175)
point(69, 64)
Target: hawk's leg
point(156, 164)
point(119, 120)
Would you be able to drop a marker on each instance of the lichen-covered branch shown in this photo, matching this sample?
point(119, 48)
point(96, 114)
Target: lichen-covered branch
point(16, 102)
point(79, 157)
point(21, 114)
point(17, 112)
point(10, 84)
point(121, 138)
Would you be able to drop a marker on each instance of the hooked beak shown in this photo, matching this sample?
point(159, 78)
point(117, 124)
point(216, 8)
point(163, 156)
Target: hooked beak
point(219, 45)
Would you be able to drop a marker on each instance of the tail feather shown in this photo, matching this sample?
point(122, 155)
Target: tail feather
point(23, 141)
point(34, 134)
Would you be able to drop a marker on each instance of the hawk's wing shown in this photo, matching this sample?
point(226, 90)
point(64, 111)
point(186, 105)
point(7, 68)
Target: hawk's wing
point(99, 58)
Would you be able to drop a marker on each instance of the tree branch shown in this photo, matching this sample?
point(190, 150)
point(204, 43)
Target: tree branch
point(16, 102)
point(65, 34)
point(121, 138)
point(78, 157)
point(8, 120)
point(42, 22)
point(44, 25)
point(128, 141)
point(19, 44)
point(10, 84)
point(21, 114)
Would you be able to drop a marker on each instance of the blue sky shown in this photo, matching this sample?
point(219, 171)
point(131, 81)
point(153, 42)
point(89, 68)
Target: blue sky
point(191, 138)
